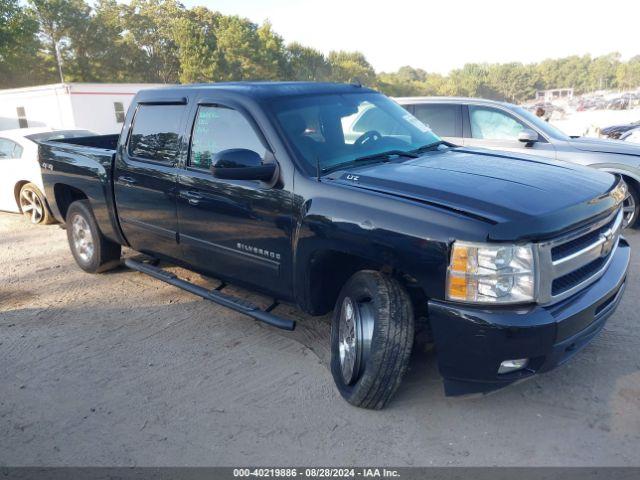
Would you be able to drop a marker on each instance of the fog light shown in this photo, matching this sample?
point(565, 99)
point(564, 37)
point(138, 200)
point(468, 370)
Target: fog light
point(509, 366)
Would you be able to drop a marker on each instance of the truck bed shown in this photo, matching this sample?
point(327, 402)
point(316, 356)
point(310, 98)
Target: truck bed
point(77, 168)
point(105, 142)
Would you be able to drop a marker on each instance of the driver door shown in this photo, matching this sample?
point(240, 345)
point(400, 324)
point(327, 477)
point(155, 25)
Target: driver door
point(496, 129)
point(237, 230)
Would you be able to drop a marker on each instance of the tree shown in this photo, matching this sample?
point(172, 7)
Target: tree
point(19, 44)
point(162, 41)
point(271, 58)
point(198, 54)
point(60, 21)
point(351, 67)
point(305, 63)
point(148, 27)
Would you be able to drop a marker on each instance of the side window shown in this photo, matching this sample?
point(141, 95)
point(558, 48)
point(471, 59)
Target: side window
point(7, 148)
point(445, 120)
point(119, 110)
point(17, 151)
point(155, 133)
point(491, 124)
point(219, 128)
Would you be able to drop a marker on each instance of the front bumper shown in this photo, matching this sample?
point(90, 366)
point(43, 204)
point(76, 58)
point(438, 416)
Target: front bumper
point(471, 342)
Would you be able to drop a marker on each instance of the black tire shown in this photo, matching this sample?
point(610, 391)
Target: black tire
point(33, 205)
point(632, 201)
point(382, 365)
point(104, 254)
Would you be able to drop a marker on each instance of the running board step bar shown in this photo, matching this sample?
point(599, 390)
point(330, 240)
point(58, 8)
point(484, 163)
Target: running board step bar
point(216, 296)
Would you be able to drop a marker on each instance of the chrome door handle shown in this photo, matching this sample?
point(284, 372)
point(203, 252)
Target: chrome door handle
point(126, 180)
point(192, 197)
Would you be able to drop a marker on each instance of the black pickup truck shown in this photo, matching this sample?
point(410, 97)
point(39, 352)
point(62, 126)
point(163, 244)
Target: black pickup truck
point(333, 197)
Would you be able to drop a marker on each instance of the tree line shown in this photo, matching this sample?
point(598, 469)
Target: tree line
point(161, 41)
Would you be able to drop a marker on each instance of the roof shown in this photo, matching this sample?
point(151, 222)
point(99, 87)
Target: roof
point(407, 100)
point(269, 89)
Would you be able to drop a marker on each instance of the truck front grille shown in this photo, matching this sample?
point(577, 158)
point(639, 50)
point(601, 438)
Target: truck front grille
point(572, 262)
point(576, 277)
point(572, 246)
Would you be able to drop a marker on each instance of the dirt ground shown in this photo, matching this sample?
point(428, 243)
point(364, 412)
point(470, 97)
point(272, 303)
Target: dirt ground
point(121, 369)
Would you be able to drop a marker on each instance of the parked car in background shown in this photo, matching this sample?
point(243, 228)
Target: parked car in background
point(614, 132)
point(21, 189)
point(502, 126)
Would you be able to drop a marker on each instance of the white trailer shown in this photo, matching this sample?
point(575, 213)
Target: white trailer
point(99, 107)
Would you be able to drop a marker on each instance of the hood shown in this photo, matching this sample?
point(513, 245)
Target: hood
point(605, 146)
point(497, 187)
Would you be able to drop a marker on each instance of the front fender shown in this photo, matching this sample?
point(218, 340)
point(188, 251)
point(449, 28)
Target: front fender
point(631, 171)
point(403, 240)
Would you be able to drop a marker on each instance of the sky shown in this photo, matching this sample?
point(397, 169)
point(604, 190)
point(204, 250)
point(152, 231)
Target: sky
point(441, 35)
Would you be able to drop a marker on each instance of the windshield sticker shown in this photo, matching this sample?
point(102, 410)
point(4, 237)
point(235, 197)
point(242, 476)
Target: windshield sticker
point(416, 123)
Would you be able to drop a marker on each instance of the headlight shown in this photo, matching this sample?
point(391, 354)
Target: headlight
point(485, 273)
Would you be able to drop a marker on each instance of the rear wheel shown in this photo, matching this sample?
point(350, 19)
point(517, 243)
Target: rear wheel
point(371, 338)
point(93, 252)
point(33, 205)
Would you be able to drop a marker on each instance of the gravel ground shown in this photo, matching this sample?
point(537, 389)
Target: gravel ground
point(121, 369)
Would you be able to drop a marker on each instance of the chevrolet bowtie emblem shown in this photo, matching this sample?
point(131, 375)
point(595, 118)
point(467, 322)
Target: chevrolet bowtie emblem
point(607, 245)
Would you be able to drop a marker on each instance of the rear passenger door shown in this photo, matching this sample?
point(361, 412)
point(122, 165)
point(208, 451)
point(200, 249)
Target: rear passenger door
point(145, 178)
point(445, 119)
point(497, 129)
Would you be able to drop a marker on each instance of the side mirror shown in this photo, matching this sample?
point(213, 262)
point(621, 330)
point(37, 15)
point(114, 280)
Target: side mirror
point(527, 136)
point(241, 164)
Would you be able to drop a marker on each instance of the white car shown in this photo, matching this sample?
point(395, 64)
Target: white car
point(20, 178)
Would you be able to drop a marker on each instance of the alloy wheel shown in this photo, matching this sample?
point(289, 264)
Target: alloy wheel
point(629, 210)
point(82, 238)
point(31, 205)
point(354, 337)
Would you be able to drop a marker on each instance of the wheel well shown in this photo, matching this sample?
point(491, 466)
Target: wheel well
point(16, 191)
point(65, 195)
point(329, 270)
point(632, 182)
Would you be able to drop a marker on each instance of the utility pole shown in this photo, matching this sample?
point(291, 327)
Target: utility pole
point(58, 60)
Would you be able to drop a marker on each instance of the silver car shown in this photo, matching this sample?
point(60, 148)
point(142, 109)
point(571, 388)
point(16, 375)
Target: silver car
point(503, 126)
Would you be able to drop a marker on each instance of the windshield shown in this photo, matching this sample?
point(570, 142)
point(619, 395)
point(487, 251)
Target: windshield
point(546, 127)
point(336, 130)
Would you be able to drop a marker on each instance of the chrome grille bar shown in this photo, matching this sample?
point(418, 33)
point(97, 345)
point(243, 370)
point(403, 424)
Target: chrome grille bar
point(600, 249)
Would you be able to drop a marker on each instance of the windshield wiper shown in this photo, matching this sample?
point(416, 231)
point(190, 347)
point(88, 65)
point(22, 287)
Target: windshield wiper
point(430, 146)
point(386, 155)
point(382, 156)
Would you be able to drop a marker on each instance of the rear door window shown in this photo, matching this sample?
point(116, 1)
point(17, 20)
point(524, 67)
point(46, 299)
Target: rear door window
point(444, 119)
point(156, 133)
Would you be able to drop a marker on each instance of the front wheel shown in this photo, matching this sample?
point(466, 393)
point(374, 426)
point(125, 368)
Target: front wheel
point(371, 338)
point(93, 252)
point(631, 206)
